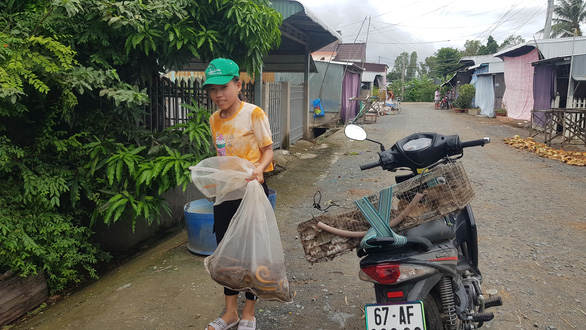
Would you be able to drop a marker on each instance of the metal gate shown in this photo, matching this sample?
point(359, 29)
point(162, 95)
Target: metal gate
point(274, 111)
point(296, 129)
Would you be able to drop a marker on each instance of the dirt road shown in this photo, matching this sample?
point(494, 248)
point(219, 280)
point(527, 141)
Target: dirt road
point(531, 216)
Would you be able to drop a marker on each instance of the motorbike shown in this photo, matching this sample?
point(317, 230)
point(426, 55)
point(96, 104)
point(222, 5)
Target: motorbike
point(431, 280)
point(445, 103)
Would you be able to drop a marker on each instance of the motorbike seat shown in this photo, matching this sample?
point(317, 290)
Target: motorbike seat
point(434, 231)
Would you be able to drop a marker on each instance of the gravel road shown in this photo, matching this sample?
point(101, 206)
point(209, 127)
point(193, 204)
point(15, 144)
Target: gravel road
point(531, 216)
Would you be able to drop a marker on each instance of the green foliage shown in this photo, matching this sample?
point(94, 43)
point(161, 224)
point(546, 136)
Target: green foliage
point(490, 48)
point(471, 48)
point(419, 90)
point(405, 67)
point(32, 240)
point(568, 16)
point(511, 41)
point(465, 95)
point(73, 144)
point(136, 176)
point(447, 59)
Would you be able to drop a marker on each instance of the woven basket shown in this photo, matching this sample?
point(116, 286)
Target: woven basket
point(446, 189)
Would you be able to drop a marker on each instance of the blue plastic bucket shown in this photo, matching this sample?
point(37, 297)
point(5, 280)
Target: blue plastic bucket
point(199, 218)
point(272, 197)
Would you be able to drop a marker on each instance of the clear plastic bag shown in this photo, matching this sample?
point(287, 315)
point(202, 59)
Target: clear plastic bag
point(222, 177)
point(250, 256)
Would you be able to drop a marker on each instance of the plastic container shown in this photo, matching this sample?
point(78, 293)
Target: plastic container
point(273, 197)
point(199, 218)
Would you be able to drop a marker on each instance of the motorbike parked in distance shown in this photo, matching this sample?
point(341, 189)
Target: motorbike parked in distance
point(445, 103)
point(430, 280)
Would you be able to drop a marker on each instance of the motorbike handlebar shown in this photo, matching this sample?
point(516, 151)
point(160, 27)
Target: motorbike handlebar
point(445, 146)
point(370, 165)
point(475, 143)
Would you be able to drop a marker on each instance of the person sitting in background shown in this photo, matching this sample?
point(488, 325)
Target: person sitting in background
point(390, 97)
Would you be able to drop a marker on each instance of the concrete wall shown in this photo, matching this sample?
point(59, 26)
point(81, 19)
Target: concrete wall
point(119, 236)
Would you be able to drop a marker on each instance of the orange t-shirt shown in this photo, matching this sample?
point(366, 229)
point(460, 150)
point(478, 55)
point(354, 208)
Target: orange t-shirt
point(243, 134)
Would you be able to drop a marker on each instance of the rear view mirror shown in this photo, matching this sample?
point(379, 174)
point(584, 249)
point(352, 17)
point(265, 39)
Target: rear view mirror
point(355, 132)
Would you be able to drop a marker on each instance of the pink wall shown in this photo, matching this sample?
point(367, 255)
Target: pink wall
point(518, 98)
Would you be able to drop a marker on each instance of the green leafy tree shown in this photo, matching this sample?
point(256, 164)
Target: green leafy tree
point(419, 90)
point(471, 48)
point(412, 67)
point(422, 69)
point(445, 62)
point(430, 65)
point(490, 48)
point(399, 69)
point(512, 41)
point(568, 15)
point(73, 144)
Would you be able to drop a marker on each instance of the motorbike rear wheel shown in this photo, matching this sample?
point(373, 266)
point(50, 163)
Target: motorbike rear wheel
point(433, 318)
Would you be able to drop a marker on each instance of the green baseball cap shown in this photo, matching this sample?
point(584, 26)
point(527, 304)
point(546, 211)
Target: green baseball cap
point(221, 71)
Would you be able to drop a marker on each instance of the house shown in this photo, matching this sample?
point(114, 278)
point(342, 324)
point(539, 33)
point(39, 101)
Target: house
point(334, 84)
point(357, 78)
point(373, 75)
point(487, 76)
point(538, 70)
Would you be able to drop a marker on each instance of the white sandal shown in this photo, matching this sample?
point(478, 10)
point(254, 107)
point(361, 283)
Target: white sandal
point(220, 324)
point(247, 325)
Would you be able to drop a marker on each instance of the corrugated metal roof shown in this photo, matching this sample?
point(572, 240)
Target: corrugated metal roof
point(479, 59)
point(578, 65)
point(549, 48)
point(349, 65)
point(495, 64)
point(303, 19)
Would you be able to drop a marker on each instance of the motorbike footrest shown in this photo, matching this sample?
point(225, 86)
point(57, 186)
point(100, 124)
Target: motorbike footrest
point(482, 317)
point(493, 301)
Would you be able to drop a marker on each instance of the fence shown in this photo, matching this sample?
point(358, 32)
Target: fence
point(274, 111)
point(296, 117)
point(167, 98)
point(578, 103)
point(568, 123)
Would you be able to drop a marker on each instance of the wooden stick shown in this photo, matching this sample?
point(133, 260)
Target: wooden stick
point(568, 323)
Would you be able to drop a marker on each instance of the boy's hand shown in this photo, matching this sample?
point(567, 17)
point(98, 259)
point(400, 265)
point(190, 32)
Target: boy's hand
point(257, 174)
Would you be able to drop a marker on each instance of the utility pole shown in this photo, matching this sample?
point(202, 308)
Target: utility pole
point(404, 58)
point(570, 97)
point(548, 17)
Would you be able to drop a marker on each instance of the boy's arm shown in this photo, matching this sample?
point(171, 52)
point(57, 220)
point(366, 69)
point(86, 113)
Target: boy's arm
point(265, 161)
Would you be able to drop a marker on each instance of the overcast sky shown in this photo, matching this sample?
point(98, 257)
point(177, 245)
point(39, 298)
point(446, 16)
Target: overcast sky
point(425, 26)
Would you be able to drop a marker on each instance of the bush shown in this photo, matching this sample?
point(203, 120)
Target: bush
point(465, 95)
point(74, 143)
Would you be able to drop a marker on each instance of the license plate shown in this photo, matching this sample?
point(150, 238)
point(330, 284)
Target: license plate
point(399, 316)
